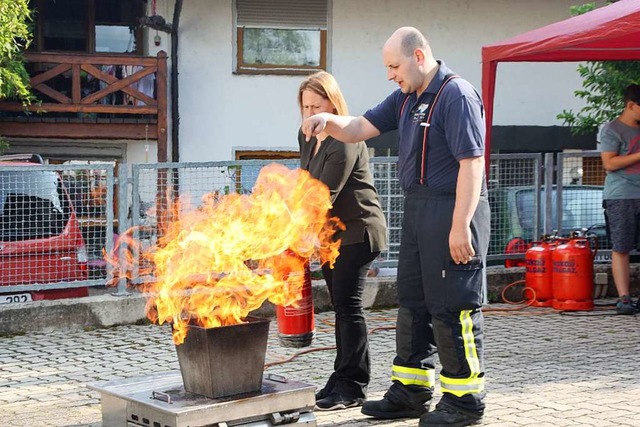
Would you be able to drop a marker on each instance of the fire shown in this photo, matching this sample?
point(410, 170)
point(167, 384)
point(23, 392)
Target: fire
point(217, 263)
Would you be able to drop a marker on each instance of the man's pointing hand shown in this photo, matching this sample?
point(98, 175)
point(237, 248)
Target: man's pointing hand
point(313, 125)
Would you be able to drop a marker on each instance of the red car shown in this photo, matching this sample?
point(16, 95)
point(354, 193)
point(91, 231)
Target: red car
point(40, 238)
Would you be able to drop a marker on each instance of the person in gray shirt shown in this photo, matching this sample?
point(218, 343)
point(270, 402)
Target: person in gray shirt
point(620, 152)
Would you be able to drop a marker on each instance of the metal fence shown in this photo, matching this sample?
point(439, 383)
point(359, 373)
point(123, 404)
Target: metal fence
point(58, 220)
point(188, 183)
point(535, 195)
point(157, 187)
point(54, 223)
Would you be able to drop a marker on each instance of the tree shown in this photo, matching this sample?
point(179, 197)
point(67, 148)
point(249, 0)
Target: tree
point(602, 88)
point(15, 37)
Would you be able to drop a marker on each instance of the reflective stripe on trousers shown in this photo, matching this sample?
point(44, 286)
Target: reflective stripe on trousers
point(473, 384)
point(413, 376)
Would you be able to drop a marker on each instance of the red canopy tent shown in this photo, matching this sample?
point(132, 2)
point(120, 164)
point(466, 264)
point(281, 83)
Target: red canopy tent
point(606, 34)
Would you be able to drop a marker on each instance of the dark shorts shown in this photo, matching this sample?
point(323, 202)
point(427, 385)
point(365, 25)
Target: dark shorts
point(623, 221)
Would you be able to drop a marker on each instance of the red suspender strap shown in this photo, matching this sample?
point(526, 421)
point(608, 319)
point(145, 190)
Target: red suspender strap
point(403, 105)
point(423, 171)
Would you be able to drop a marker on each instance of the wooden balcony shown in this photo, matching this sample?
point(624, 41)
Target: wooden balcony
point(99, 96)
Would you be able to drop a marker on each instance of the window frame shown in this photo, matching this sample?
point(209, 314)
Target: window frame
point(240, 67)
point(265, 154)
point(90, 27)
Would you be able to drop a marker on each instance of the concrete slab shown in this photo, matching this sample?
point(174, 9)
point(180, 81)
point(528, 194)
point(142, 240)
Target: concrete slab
point(543, 368)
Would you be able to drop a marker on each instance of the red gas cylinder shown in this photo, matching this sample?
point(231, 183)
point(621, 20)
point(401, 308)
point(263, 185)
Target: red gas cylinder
point(538, 273)
point(573, 275)
point(296, 325)
point(517, 245)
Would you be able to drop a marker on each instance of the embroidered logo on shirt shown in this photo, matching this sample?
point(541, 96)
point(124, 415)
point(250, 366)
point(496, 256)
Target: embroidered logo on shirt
point(419, 113)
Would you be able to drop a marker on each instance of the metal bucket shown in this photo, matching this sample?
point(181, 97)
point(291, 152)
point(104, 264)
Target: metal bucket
point(223, 361)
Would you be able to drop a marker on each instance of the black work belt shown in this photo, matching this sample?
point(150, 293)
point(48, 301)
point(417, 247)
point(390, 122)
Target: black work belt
point(424, 192)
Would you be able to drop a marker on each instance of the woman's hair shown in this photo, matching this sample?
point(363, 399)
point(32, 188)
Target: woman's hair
point(325, 85)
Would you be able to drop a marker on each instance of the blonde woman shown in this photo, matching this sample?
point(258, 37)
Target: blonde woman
point(344, 168)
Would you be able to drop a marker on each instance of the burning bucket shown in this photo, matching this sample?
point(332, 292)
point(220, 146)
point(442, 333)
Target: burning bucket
point(223, 361)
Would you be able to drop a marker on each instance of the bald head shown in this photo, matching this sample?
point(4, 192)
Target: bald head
point(408, 59)
point(406, 40)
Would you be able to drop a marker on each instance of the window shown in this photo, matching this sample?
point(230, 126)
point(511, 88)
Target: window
point(88, 25)
point(281, 36)
point(246, 174)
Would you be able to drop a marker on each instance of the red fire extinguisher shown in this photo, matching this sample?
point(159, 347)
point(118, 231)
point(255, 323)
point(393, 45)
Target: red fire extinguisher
point(573, 275)
point(538, 273)
point(296, 325)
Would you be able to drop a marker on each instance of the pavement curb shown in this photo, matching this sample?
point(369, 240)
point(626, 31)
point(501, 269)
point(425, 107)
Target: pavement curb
point(72, 314)
point(102, 311)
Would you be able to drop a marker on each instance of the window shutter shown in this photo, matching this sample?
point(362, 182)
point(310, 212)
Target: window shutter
point(292, 14)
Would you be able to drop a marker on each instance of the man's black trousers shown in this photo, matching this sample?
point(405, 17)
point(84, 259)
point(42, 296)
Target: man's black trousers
point(440, 301)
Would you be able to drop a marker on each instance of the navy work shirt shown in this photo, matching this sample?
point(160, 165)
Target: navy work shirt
point(457, 129)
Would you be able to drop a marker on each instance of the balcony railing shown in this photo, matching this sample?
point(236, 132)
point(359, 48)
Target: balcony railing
point(124, 96)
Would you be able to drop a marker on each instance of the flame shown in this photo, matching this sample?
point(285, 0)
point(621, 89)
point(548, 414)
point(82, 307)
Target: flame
point(217, 263)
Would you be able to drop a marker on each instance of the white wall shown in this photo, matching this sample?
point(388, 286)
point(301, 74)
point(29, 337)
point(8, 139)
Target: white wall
point(526, 93)
point(142, 151)
point(220, 110)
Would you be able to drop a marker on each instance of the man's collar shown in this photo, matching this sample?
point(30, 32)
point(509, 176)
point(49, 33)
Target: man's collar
point(438, 78)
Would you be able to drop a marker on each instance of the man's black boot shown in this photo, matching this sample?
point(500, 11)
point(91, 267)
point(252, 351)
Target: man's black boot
point(447, 415)
point(400, 401)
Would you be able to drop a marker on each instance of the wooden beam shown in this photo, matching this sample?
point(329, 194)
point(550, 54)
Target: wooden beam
point(79, 130)
point(52, 93)
point(102, 59)
point(49, 74)
point(79, 108)
point(99, 74)
point(76, 94)
point(161, 134)
point(120, 84)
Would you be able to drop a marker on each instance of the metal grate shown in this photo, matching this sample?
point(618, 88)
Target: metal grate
point(53, 226)
point(55, 221)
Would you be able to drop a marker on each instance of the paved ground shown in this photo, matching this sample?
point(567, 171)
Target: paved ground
point(543, 369)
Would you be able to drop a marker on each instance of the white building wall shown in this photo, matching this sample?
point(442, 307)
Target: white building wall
point(220, 110)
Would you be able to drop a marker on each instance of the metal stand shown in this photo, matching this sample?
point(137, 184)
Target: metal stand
point(160, 400)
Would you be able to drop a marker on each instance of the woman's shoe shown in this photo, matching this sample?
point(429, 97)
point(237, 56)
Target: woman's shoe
point(334, 402)
point(321, 394)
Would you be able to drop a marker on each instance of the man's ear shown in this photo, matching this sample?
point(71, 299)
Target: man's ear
point(419, 55)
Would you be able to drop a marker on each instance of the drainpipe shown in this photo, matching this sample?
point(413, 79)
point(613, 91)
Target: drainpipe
point(158, 23)
point(175, 112)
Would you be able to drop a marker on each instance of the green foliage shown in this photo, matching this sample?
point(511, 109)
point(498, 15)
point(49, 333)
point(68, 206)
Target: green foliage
point(15, 37)
point(582, 8)
point(602, 88)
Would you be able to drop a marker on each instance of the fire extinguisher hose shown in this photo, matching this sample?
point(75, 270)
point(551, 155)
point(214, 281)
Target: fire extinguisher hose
point(333, 347)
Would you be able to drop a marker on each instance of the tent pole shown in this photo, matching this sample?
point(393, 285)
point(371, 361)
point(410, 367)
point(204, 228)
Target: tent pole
point(488, 92)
